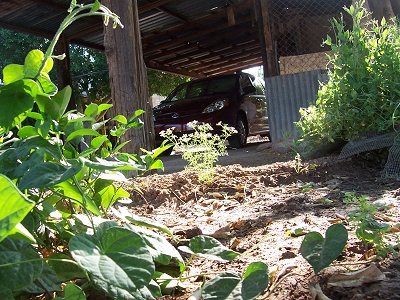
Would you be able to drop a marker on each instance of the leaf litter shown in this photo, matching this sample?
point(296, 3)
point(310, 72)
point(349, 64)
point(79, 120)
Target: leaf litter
point(256, 211)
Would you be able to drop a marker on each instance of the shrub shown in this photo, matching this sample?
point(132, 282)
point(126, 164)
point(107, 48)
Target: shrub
point(363, 89)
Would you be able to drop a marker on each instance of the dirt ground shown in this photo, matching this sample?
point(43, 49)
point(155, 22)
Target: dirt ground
point(259, 207)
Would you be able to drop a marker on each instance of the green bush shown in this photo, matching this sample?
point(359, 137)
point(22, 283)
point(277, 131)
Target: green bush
point(363, 89)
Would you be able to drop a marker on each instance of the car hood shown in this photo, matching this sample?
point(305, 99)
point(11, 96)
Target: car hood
point(184, 108)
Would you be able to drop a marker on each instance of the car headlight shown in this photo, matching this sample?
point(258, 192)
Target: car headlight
point(216, 105)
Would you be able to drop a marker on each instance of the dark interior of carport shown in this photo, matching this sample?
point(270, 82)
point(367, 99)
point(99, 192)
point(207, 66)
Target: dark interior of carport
point(194, 38)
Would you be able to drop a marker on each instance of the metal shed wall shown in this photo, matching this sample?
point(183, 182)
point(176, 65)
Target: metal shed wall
point(285, 95)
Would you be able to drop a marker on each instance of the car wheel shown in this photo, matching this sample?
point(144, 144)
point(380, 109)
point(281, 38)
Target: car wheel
point(239, 139)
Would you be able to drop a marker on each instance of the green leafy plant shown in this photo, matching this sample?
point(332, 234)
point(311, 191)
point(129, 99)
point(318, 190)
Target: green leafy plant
point(320, 252)
point(368, 230)
point(363, 90)
point(201, 148)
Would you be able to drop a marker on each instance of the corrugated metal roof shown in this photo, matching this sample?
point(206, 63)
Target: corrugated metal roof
point(188, 37)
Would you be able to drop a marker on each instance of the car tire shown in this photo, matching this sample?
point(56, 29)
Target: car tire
point(239, 139)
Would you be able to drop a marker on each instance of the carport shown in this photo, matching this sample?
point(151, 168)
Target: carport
point(188, 37)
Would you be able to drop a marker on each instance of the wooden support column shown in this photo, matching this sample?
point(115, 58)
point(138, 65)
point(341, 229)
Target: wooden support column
point(128, 75)
point(267, 45)
point(63, 69)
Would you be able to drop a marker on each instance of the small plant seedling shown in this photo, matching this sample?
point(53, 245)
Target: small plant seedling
point(201, 148)
point(368, 230)
point(320, 252)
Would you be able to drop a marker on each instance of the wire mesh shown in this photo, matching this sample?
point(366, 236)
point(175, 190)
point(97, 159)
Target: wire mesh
point(298, 29)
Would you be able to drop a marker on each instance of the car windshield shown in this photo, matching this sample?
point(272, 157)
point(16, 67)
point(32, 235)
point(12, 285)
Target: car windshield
point(199, 88)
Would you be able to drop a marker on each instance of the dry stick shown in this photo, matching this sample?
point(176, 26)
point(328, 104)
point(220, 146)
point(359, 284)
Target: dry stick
point(274, 286)
point(255, 246)
point(178, 197)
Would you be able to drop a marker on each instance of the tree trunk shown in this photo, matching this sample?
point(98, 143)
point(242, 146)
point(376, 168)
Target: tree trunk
point(63, 69)
point(127, 72)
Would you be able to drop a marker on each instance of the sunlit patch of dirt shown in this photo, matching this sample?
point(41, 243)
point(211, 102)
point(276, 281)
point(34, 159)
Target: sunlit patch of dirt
point(259, 208)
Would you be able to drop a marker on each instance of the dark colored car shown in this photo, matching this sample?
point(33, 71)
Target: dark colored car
point(237, 100)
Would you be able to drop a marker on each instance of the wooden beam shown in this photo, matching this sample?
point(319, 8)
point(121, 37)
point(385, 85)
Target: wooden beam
point(181, 72)
point(87, 30)
point(44, 34)
point(167, 11)
point(220, 38)
point(238, 67)
point(152, 5)
point(198, 33)
point(212, 53)
point(197, 23)
point(230, 15)
point(227, 62)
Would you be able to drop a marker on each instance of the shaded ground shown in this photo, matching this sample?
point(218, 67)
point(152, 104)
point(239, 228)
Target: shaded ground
point(258, 207)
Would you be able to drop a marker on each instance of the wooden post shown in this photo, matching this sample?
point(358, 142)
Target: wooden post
point(267, 45)
point(63, 69)
point(128, 75)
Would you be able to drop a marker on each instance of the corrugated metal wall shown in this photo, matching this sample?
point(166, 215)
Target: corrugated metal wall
point(285, 95)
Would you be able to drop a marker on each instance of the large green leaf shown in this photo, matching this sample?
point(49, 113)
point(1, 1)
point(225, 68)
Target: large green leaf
point(65, 267)
point(25, 146)
point(6, 293)
point(82, 132)
point(16, 100)
point(72, 292)
point(14, 206)
point(70, 191)
point(12, 73)
point(210, 248)
point(320, 252)
point(48, 174)
point(62, 99)
point(106, 193)
point(33, 62)
point(91, 110)
point(116, 165)
point(115, 258)
point(49, 106)
point(161, 250)
point(46, 282)
point(26, 264)
point(226, 285)
point(255, 280)
point(48, 87)
point(229, 285)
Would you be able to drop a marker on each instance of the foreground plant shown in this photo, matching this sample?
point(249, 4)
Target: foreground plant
point(371, 232)
point(320, 252)
point(201, 148)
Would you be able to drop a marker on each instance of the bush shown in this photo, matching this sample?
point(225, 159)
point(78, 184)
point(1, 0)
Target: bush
point(363, 89)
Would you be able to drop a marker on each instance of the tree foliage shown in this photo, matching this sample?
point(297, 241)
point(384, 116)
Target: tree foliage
point(161, 83)
point(15, 46)
point(89, 70)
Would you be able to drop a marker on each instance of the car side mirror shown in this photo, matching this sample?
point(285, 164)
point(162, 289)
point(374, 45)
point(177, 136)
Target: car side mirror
point(249, 89)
